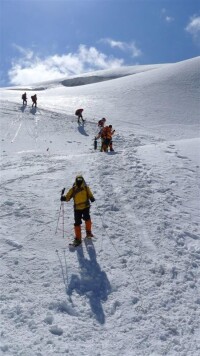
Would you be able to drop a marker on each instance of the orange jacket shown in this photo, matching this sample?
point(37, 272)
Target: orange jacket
point(107, 132)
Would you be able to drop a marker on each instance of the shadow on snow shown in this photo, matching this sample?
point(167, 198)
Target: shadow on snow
point(81, 129)
point(23, 107)
point(92, 282)
point(33, 110)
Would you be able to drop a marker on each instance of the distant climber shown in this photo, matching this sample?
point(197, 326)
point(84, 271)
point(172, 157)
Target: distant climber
point(101, 123)
point(34, 100)
point(106, 137)
point(24, 98)
point(79, 114)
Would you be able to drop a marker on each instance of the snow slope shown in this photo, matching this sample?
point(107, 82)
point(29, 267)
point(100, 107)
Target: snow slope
point(134, 290)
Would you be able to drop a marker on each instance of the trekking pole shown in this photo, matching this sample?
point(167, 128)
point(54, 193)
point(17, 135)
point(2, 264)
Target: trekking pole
point(63, 222)
point(61, 205)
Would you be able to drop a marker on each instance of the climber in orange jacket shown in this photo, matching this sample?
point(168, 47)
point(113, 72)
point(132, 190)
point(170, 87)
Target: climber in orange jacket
point(106, 136)
point(82, 195)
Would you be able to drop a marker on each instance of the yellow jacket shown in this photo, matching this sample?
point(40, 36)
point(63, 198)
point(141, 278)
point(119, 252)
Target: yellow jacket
point(81, 196)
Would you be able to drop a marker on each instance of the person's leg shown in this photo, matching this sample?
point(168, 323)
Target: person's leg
point(88, 222)
point(77, 223)
point(111, 146)
point(106, 145)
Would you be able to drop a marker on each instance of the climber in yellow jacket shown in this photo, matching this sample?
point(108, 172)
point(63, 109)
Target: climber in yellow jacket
point(82, 197)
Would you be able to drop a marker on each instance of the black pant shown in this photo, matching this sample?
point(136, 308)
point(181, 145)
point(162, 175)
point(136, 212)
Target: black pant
point(81, 214)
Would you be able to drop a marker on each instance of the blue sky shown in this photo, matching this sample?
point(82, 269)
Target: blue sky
point(48, 39)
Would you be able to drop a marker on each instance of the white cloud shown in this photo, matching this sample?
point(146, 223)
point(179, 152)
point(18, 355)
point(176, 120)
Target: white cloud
point(169, 18)
point(32, 68)
point(193, 27)
point(27, 53)
point(113, 43)
point(123, 46)
point(96, 59)
point(136, 52)
point(165, 16)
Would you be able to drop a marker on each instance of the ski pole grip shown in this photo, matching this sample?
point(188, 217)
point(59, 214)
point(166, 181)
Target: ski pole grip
point(63, 190)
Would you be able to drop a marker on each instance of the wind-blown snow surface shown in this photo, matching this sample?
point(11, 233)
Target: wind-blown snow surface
point(134, 290)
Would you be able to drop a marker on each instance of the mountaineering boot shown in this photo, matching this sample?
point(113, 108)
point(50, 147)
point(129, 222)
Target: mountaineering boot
point(77, 240)
point(88, 226)
point(111, 147)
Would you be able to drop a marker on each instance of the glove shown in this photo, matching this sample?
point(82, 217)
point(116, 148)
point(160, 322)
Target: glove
point(63, 198)
point(92, 199)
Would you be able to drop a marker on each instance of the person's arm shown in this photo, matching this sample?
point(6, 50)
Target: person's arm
point(90, 195)
point(67, 196)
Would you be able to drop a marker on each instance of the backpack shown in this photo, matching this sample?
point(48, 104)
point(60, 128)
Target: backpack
point(78, 111)
point(105, 132)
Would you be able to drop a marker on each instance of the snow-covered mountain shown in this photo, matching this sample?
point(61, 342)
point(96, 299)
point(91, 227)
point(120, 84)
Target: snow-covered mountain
point(134, 290)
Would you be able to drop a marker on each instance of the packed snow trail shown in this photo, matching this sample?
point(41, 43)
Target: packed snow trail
point(122, 215)
point(140, 276)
